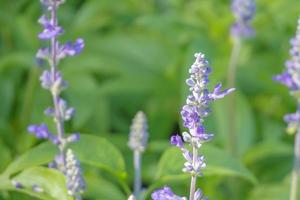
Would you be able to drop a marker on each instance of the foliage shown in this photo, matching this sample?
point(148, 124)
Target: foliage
point(136, 58)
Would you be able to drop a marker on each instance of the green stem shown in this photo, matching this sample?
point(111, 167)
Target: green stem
point(231, 78)
point(296, 169)
point(194, 177)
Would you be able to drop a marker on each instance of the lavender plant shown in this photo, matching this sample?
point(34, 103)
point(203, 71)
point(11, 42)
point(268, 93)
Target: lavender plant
point(291, 78)
point(137, 142)
point(193, 115)
point(243, 11)
point(52, 80)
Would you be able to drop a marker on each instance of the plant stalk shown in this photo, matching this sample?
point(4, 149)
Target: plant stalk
point(137, 173)
point(231, 78)
point(296, 169)
point(194, 176)
point(58, 118)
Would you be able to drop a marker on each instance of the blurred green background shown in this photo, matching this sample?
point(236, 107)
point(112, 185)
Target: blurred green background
point(137, 57)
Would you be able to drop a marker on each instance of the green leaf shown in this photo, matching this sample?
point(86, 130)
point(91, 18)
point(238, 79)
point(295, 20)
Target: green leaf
point(51, 181)
point(218, 163)
point(267, 149)
point(39, 155)
point(91, 150)
point(98, 152)
point(100, 188)
point(244, 124)
point(270, 192)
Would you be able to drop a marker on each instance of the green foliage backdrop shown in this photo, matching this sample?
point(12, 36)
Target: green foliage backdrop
point(136, 58)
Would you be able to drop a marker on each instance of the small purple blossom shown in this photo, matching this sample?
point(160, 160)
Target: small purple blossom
point(177, 141)
point(56, 85)
point(70, 49)
point(50, 30)
point(17, 184)
point(37, 189)
point(40, 131)
point(243, 11)
point(165, 194)
point(73, 138)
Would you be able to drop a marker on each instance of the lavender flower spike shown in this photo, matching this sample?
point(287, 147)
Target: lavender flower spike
point(137, 142)
point(52, 80)
point(193, 114)
point(75, 181)
point(243, 11)
point(291, 78)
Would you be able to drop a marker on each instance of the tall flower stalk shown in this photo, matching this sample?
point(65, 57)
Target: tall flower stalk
point(193, 114)
point(243, 11)
point(138, 138)
point(52, 80)
point(291, 78)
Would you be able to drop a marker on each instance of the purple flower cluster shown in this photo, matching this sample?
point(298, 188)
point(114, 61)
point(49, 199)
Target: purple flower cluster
point(195, 110)
point(243, 11)
point(53, 81)
point(166, 193)
point(193, 115)
point(291, 78)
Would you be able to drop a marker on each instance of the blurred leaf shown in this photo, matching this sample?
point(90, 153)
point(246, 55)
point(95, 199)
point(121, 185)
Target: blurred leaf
point(244, 122)
point(50, 180)
point(102, 154)
point(39, 155)
point(99, 188)
point(268, 149)
point(270, 192)
point(219, 163)
point(5, 156)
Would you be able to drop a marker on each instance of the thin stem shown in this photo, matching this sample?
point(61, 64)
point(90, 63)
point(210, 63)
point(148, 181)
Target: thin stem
point(58, 118)
point(231, 78)
point(296, 169)
point(194, 176)
point(137, 173)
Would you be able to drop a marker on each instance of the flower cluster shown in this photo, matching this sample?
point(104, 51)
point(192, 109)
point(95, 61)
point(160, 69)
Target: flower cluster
point(193, 115)
point(138, 135)
point(75, 182)
point(291, 78)
point(243, 11)
point(53, 81)
point(194, 112)
point(167, 194)
point(138, 138)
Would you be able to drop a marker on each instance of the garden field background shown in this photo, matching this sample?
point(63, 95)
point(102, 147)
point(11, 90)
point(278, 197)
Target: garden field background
point(137, 57)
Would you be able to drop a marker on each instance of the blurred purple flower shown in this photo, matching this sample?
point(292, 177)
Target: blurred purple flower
point(243, 11)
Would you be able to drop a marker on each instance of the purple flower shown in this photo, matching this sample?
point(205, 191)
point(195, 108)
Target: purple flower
point(73, 138)
point(50, 30)
point(243, 11)
point(56, 85)
point(52, 80)
point(291, 76)
point(17, 184)
point(71, 49)
point(218, 93)
point(43, 54)
point(40, 131)
point(193, 114)
point(177, 141)
point(286, 79)
point(165, 194)
point(52, 3)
